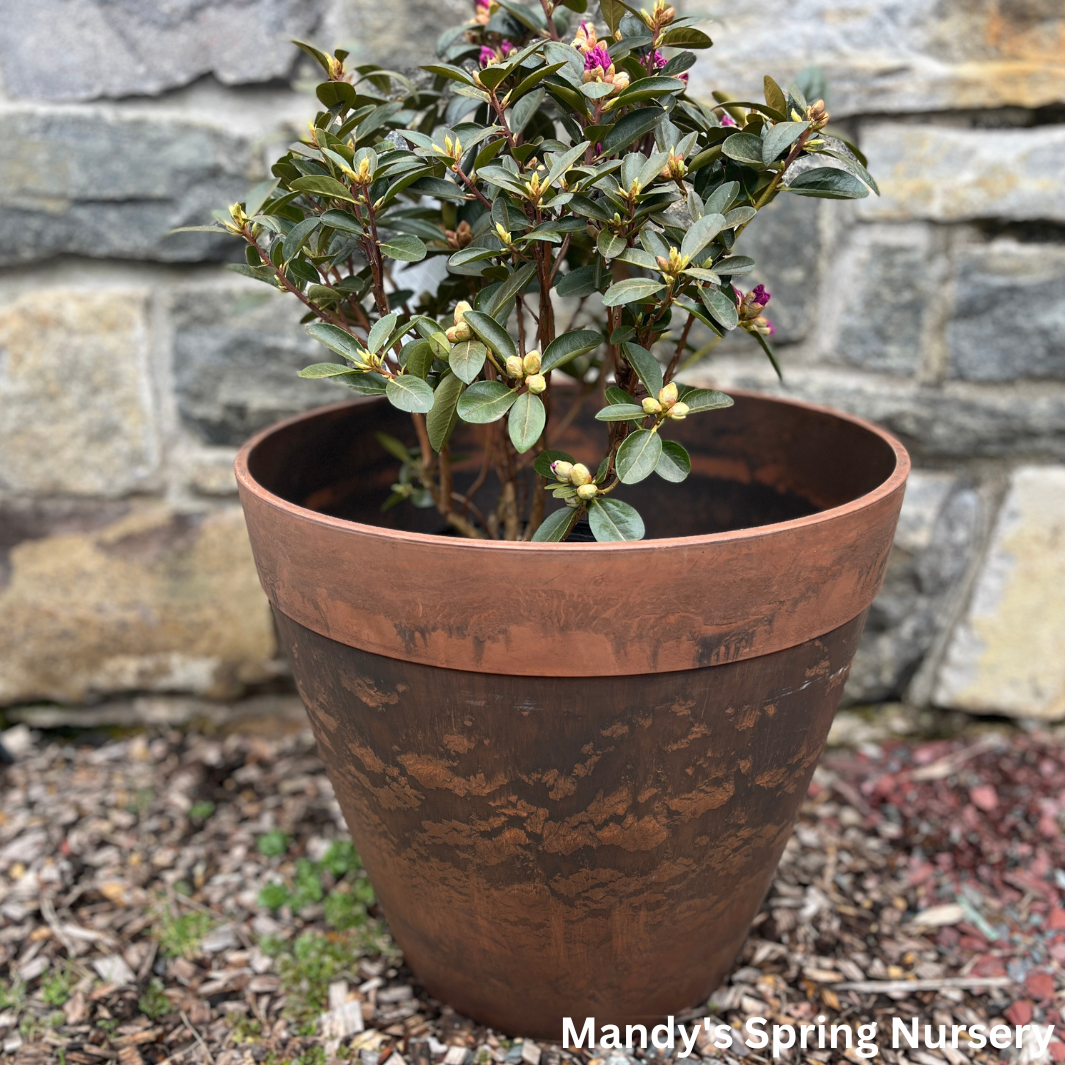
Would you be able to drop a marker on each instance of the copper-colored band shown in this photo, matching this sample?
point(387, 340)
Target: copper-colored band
point(568, 610)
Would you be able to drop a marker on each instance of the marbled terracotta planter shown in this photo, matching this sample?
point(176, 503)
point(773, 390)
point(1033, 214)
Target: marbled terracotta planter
point(571, 769)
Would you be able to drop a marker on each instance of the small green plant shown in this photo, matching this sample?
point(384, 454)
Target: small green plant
point(153, 1001)
point(56, 986)
point(273, 844)
point(541, 157)
point(313, 1056)
point(308, 965)
point(201, 811)
point(179, 936)
point(12, 995)
point(346, 904)
point(244, 1029)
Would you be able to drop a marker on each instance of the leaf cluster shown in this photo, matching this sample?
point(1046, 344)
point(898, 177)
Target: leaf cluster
point(535, 169)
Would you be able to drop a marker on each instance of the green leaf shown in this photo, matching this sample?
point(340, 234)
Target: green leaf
point(647, 367)
point(439, 189)
point(258, 196)
point(527, 84)
point(526, 421)
point(410, 393)
point(367, 384)
point(394, 447)
point(577, 283)
point(828, 183)
point(774, 95)
point(621, 412)
point(467, 358)
point(569, 346)
point(597, 90)
point(320, 185)
point(647, 89)
point(381, 331)
point(404, 247)
point(674, 464)
point(524, 110)
point(782, 135)
point(446, 70)
point(610, 245)
point(734, 264)
point(618, 395)
point(336, 339)
point(485, 401)
point(701, 233)
point(542, 465)
point(613, 11)
point(419, 358)
point(744, 148)
point(612, 520)
point(686, 37)
point(334, 93)
point(510, 288)
point(770, 354)
point(338, 219)
point(326, 369)
point(554, 527)
point(703, 399)
point(319, 57)
point(853, 165)
point(721, 198)
point(440, 422)
point(631, 290)
point(492, 333)
point(722, 307)
point(631, 127)
point(638, 456)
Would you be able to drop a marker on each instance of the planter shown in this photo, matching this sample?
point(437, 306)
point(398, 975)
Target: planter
point(571, 769)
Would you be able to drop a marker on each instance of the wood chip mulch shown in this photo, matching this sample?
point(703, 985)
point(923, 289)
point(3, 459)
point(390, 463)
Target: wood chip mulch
point(181, 897)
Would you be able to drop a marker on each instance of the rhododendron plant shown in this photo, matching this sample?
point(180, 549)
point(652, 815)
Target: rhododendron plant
point(550, 159)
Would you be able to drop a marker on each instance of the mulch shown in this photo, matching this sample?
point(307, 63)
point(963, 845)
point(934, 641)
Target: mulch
point(178, 896)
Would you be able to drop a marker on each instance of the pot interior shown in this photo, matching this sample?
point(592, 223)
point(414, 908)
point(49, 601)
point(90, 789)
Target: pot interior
point(759, 462)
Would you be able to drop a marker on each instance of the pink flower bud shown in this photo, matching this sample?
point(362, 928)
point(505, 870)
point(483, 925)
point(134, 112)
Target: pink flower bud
point(562, 469)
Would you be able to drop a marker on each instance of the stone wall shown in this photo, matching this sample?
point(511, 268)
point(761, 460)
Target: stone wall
point(132, 363)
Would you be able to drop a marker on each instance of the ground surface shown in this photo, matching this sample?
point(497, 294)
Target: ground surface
point(181, 897)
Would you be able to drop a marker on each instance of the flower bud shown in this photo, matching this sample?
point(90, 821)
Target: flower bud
point(580, 474)
point(668, 395)
point(504, 234)
point(458, 332)
point(588, 491)
point(531, 362)
point(536, 382)
point(679, 411)
point(562, 469)
point(651, 405)
point(460, 311)
point(514, 366)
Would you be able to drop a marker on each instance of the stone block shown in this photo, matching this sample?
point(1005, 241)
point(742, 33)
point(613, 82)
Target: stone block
point(85, 49)
point(1008, 654)
point(934, 547)
point(907, 55)
point(237, 351)
point(399, 34)
point(957, 421)
point(880, 286)
point(76, 412)
point(1009, 313)
point(97, 601)
point(945, 174)
point(111, 184)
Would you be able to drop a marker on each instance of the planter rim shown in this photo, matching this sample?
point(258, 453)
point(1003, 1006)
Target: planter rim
point(576, 610)
point(885, 489)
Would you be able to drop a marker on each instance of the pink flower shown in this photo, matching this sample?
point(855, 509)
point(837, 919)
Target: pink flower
point(727, 119)
point(658, 60)
point(760, 295)
point(598, 57)
point(488, 56)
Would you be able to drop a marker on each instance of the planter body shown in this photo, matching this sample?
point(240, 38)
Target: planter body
point(571, 769)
